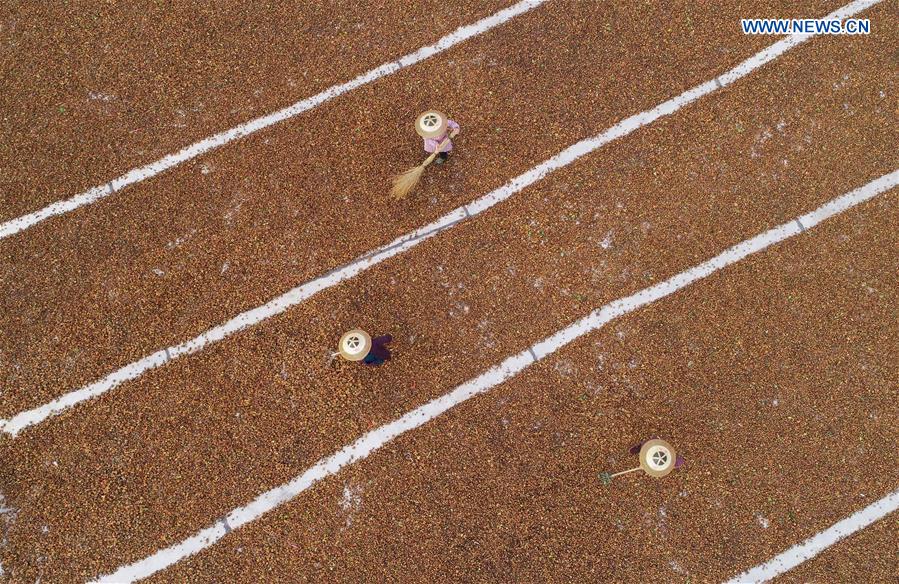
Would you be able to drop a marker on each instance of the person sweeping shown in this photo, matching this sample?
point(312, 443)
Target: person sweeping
point(357, 345)
point(437, 131)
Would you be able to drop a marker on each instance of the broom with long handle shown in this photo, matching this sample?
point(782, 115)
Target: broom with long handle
point(405, 182)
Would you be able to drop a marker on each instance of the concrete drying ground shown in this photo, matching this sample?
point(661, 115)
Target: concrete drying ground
point(774, 377)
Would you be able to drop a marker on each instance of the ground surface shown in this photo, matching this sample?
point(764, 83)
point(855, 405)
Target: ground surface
point(775, 378)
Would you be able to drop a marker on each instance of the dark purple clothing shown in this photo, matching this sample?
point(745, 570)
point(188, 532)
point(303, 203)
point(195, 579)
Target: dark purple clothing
point(379, 351)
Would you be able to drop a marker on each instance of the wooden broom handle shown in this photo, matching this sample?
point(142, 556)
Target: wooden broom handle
point(624, 472)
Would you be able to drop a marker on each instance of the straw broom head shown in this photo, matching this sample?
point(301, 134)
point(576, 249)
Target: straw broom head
point(405, 182)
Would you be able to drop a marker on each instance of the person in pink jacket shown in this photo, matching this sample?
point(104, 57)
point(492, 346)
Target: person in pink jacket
point(435, 128)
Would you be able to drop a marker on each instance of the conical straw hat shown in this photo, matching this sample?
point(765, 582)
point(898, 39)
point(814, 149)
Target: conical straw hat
point(657, 458)
point(354, 345)
point(431, 124)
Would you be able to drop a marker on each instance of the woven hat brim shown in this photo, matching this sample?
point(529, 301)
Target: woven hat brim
point(361, 354)
point(440, 131)
point(648, 469)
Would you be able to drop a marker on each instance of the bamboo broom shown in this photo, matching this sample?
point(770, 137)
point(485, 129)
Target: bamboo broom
point(405, 182)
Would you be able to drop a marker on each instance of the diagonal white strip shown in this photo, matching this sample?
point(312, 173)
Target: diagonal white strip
point(150, 170)
point(513, 365)
point(818, 543)
point(293, 297)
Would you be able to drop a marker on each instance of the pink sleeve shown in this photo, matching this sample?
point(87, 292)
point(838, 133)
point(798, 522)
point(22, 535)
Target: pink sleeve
point(452, 124)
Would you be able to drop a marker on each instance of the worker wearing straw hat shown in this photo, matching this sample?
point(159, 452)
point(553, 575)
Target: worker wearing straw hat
point(657, 459)
point(433, 126)
point(437, 130)
point(357, 345)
